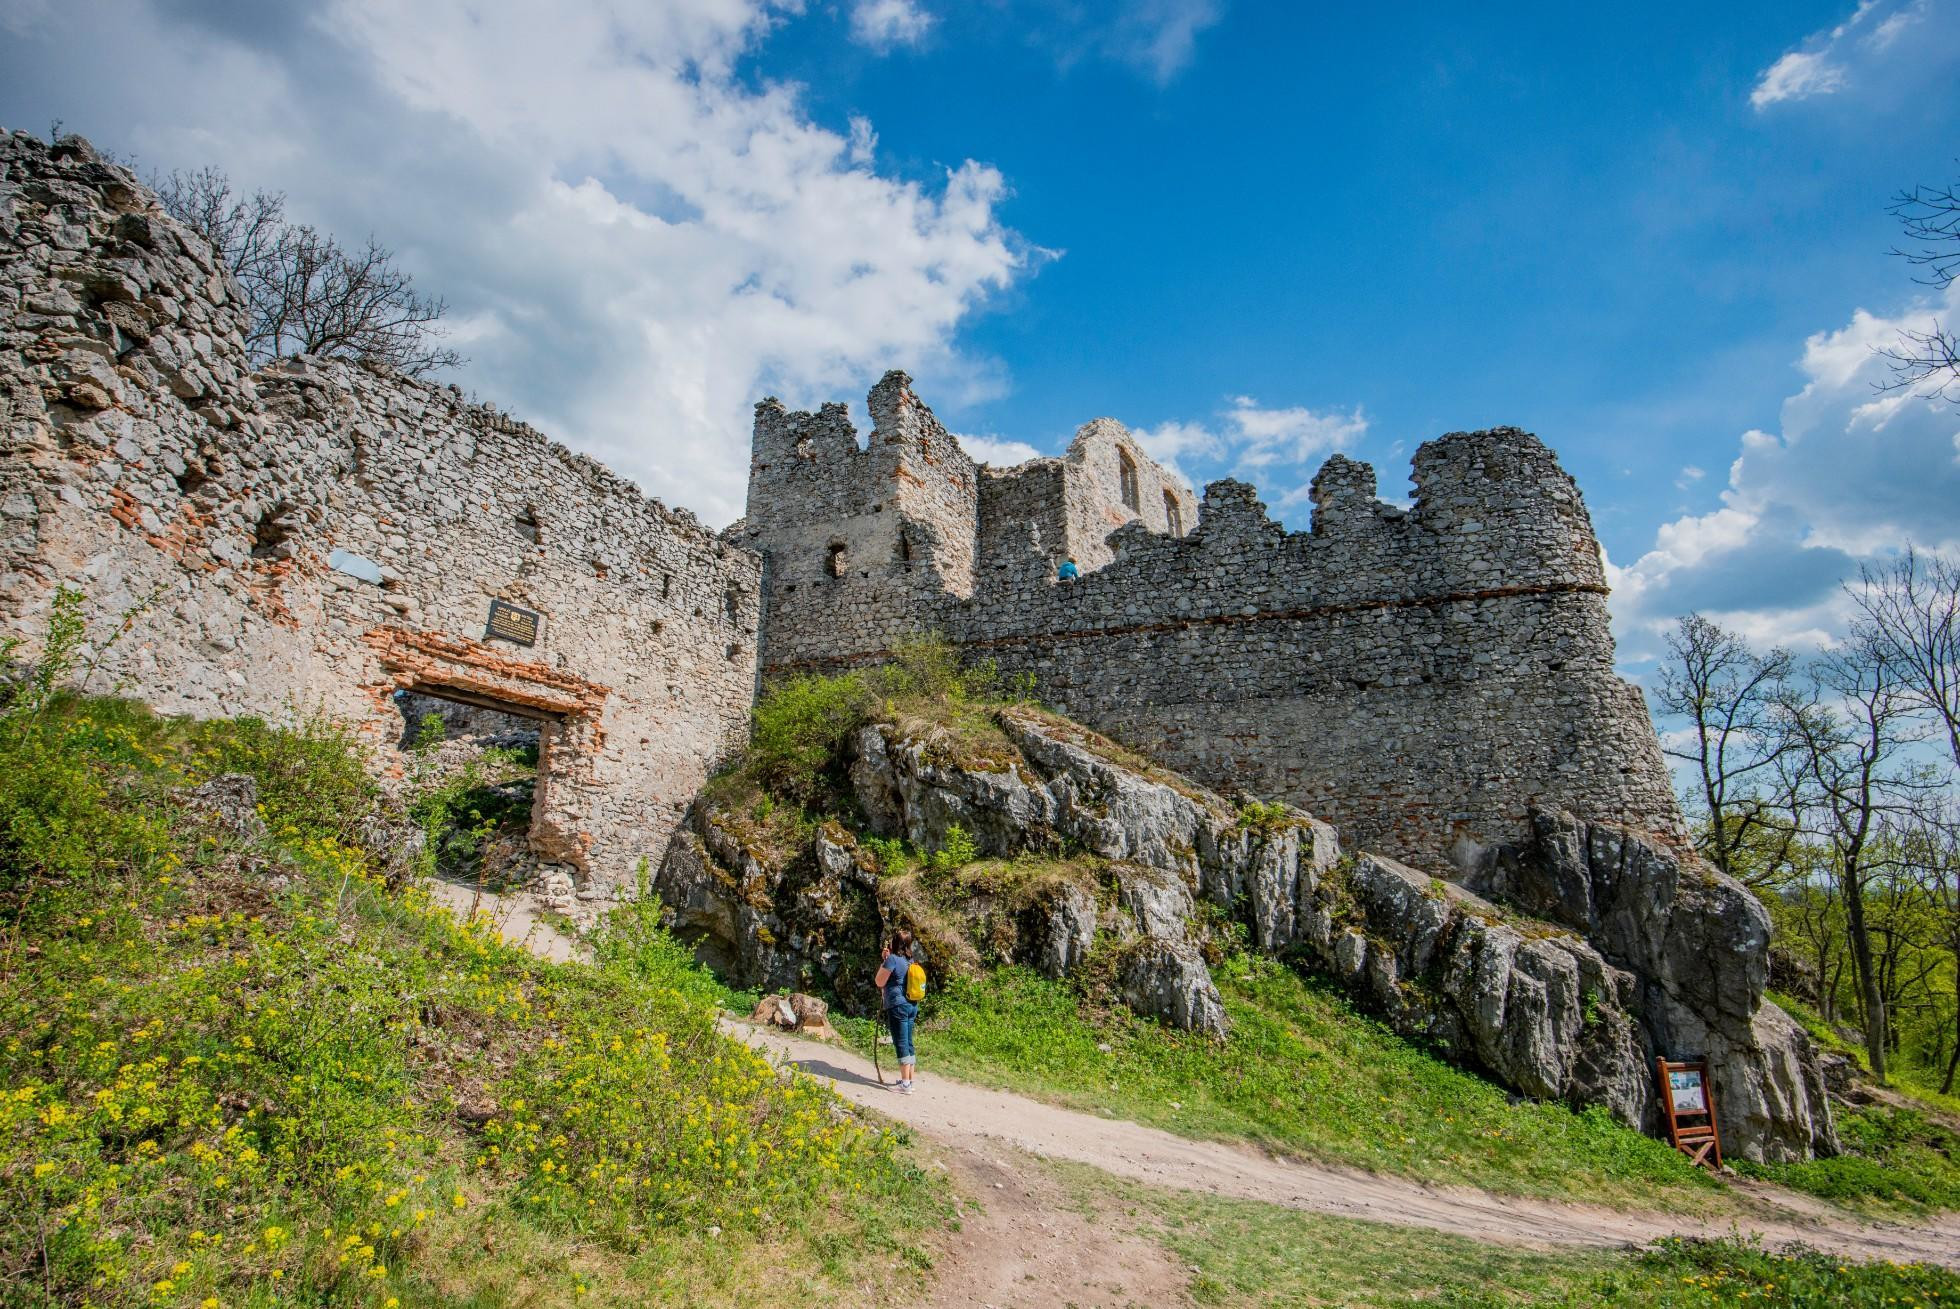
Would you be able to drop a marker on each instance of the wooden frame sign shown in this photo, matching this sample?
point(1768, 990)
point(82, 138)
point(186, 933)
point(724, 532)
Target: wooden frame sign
point(1688, 1096)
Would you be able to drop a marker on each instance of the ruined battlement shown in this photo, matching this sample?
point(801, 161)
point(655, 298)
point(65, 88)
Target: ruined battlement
point(319, 535)
point(1418, 676)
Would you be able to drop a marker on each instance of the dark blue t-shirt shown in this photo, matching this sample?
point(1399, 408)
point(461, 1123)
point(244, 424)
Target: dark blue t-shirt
point(895, 984)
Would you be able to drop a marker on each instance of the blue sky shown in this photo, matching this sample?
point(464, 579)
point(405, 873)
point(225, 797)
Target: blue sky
point(1256, 232)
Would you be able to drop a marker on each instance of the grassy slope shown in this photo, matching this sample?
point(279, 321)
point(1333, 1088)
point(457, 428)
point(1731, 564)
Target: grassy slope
point(245, 1071)
point(1244, 1253)
point(1301, 1072)
point(1903, 1156)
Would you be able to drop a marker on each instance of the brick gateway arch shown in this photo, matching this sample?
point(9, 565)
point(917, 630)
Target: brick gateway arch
point(567, 709)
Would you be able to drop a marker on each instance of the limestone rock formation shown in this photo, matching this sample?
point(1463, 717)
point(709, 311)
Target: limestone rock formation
point(1561, 971)
point(1698, 942)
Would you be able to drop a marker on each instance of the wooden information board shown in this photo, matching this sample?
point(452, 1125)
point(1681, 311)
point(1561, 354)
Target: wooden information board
point(1688, 1096)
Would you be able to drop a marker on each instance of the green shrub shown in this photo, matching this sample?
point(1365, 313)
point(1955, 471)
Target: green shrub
point(957, 850)
point(889, 851)
point(801, 728)
point(1261, 816)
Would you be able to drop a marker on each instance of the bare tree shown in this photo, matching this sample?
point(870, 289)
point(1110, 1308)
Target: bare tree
point(1930, 359)
point(305, 293)
point(1855, 738)
point(1735, 700)
point(1912, 611)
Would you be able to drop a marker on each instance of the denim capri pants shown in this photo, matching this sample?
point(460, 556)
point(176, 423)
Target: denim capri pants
point(899, 1018)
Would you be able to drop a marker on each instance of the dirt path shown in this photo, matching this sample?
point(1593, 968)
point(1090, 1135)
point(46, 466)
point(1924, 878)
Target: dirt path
point(970, 1118)
point(1026, 1241)
point(1025, 1244)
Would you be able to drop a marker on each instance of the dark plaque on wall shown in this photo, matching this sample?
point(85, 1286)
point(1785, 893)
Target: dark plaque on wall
point(509, 623)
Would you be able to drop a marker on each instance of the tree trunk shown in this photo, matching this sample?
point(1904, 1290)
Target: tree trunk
point(1861, 954)
point(1953, 1063)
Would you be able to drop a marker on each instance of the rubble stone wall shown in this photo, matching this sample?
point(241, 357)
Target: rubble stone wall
point(1421, 678)
point(318, 535)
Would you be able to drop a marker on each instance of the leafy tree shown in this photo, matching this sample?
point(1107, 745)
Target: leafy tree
point(304, 291)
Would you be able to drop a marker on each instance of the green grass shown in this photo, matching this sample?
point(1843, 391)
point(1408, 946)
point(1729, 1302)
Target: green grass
point(1894, 1159)
point(1245, 1253)
point(1302, 1072)
point(1912, 1080)
point(1900, 1157)
point(240, 1071)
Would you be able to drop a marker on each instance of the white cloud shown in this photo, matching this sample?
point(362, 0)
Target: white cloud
point(1161, 36)
point(1157, 38)
point(1258, 443)
point(1836, 58)
point(1797, 76)
point(1264, 437)
point(885, 24)
point(1001, 454)
point(1688, 477)
point(1852, 475)
point(637, 246)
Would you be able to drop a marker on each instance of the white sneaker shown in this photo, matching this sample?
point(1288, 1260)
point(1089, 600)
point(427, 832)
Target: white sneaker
point(905, 1088)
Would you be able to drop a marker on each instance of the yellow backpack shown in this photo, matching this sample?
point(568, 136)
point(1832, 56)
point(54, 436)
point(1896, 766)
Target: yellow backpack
point(915, 982)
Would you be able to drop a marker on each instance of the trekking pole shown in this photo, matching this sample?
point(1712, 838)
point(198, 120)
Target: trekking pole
point(877, 1036)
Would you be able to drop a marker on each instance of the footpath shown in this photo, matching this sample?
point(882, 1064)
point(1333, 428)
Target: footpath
point(1028, 1240)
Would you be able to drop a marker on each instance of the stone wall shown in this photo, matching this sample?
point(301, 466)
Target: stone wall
point(319, 535)
point(1421, 678)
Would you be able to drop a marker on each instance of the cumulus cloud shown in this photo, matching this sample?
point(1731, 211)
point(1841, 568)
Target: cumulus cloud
point(1850, 477)
point(999, 453)
point(1264, 437)
point(1827, 61)
point(637, 239)
point(885, 24)
point(1259, 443)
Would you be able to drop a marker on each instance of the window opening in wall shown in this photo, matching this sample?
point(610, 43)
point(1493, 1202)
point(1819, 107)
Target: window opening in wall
point(731, 601)
point(272, 534)
point(472, 783)
point(1126, 476)
point(529, 529)
point(1173, 516)
point(838, 562)
point(904, 546)
point(666, 585)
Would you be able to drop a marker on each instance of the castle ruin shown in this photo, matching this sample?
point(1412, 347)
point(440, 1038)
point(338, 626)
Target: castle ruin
point(1420, 678)
point(326, 538)
point(318, 536)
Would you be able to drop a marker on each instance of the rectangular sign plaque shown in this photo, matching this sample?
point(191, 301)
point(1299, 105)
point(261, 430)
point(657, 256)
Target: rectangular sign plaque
point(1688, 1099)
point(509, 623)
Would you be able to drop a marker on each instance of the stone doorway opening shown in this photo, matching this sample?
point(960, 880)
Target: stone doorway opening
point(565, 710)
point(473, 780)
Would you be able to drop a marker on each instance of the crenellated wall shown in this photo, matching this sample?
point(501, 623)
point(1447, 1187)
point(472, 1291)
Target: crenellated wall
point(317, 536)
point(1421, 678)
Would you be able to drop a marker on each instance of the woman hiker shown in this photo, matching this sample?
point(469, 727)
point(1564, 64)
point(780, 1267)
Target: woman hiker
point(899, 1011)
